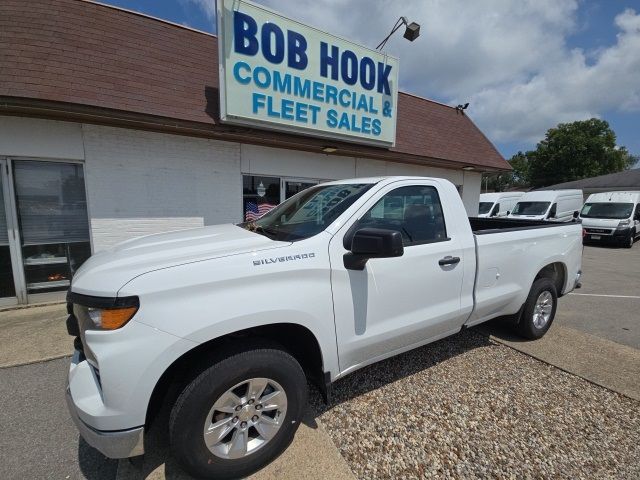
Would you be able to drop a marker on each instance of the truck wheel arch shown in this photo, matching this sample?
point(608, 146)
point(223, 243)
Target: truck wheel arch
point(556, 272)
point(295, 339)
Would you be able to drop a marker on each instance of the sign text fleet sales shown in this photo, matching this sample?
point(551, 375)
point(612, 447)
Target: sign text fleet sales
point(278, 73)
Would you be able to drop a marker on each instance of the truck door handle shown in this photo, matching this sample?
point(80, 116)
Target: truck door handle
point(448, 260)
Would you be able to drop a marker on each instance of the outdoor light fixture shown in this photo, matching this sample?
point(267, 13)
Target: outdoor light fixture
point(468, 168)
point(412, 31)
point(329, 149)
point(461, 108)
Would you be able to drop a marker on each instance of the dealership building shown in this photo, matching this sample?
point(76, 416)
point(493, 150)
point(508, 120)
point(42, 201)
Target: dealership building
point(114, 125)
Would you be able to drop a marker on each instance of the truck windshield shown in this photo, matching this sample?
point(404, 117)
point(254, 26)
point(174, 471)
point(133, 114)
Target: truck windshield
point(307, 213)
point(607, 210)
point(530, 208)
point(484, 208)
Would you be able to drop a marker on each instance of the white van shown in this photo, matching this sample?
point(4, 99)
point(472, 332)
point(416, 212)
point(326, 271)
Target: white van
point(552, 205)
point(613, 216)
point(498, 204)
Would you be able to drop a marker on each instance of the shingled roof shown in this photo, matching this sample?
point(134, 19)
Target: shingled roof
point(625, 180)
point(84, 61)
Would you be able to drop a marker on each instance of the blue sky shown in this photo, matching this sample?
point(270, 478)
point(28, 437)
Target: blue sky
point(523, 66)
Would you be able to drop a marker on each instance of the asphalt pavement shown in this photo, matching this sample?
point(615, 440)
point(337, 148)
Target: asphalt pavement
point(39, 440)
point(608, 304)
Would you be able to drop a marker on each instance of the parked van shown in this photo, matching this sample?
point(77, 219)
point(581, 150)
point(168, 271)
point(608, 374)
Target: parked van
point(498, 204)
point(613, 216)
point(552, 205)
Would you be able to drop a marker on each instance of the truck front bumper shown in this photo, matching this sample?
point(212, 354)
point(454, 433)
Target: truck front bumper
point(116, 444)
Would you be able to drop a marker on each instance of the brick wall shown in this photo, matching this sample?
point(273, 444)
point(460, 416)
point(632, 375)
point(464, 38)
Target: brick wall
point(93, 57)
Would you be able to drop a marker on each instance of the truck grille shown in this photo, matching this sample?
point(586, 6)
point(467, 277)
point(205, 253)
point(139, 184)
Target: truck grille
point(602, 231)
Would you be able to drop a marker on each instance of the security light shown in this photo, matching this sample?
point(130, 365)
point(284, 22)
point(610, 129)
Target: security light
point(412, 31)
point(329, 149)
point(461, 108)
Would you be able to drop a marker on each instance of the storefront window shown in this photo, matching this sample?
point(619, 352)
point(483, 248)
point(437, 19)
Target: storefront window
point(54, 228)
point(7, 288)
point(259, 195)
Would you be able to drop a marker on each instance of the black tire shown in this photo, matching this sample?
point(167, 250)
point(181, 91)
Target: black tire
point(526, 326)
point(190, 412)
point(628, 243)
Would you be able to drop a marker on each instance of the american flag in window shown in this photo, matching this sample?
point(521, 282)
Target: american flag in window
point(253, 210)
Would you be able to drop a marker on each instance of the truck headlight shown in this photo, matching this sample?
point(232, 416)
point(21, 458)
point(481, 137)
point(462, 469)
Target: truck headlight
point(111, 318)
point(624, 223)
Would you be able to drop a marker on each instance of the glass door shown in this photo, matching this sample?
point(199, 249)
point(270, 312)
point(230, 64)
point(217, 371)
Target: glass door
point(291, 186)
point(51, 210)
point(8, 291)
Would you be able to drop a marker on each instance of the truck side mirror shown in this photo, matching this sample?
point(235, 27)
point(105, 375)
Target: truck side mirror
point(373, 243)
point(576, 214)
point(508, 212)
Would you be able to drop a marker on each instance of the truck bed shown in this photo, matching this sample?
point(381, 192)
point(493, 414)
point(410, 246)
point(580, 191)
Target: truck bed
point(484, 225)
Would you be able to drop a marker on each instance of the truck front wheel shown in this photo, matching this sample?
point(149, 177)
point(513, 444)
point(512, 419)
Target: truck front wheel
point(628, 243)
point(239, 414)
point(539, 309)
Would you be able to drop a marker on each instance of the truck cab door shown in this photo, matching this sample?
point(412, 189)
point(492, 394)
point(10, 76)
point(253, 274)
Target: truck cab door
point(398, 303)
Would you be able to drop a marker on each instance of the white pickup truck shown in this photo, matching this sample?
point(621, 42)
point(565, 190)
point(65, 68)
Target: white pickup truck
point(236, 318)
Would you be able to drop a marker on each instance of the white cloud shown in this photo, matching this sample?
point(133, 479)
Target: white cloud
point(207, 6)
point(509, 59)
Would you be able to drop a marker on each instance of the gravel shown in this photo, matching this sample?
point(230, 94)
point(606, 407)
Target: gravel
point(467, 407)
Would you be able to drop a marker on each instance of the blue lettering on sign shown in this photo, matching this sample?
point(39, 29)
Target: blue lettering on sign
point(244, 34)
point(349, 67)
point(271, 31)
point(367, 73)
point(327, 61)
point(236, 73)
point(281, 83)
point(278, 45)
point(245, 41)
point(296, 50)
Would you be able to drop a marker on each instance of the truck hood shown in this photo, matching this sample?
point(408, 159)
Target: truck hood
point(601, 222)
point(108, 271)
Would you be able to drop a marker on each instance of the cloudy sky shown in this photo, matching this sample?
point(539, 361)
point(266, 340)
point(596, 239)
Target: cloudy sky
point(524, 65)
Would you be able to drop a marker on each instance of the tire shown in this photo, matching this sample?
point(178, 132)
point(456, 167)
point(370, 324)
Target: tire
point(532, 325)
point(629, 241)
point(195, 412)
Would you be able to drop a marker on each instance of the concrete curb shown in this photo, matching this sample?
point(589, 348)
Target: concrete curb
point(312, 455)
point(31, 305)
point(31, 362)
point(599, 361)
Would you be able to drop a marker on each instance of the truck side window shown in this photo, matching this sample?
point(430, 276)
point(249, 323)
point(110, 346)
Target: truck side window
point(415, 211)
point(496, 210)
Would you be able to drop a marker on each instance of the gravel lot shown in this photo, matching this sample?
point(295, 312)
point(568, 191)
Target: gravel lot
point(487, 411)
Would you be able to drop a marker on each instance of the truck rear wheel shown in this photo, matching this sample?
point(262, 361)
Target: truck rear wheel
point(539, 309)
point(239, 414)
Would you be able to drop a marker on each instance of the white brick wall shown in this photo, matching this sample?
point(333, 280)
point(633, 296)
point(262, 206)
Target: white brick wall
point(140, 183)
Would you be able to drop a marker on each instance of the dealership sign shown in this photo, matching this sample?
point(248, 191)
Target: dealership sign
point(278, 73)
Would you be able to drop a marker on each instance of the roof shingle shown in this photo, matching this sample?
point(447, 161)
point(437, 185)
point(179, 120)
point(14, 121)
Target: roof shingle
point(63, 53)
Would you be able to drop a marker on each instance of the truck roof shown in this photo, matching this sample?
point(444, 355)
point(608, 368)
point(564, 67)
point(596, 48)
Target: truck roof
point(614, 197)
point(494, 196)
point(547, 195)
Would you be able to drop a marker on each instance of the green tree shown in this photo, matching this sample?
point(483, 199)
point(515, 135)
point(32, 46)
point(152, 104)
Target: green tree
point(517, 178)
point(572, 151)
